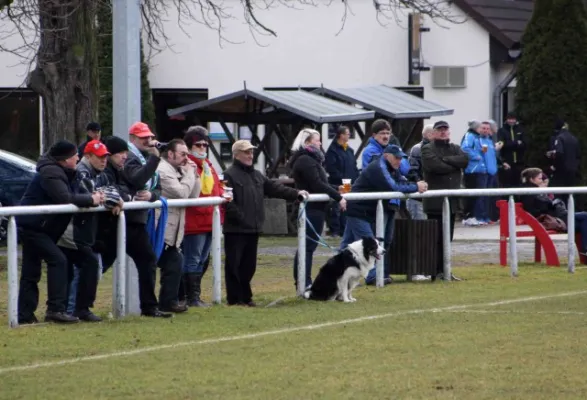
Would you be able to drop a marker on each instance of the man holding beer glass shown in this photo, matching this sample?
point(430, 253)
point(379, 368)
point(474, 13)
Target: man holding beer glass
point(341, 166)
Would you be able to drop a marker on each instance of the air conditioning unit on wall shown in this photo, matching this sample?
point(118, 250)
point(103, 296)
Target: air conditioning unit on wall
point(449, 77)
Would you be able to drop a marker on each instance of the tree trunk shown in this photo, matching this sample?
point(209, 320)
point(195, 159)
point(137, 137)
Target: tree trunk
point(66, 75)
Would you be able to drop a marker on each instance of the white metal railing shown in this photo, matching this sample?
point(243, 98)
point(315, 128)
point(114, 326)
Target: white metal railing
point(121, 273)
point(445, 194)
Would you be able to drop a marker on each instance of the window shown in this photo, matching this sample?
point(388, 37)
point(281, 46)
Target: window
point(19, 122)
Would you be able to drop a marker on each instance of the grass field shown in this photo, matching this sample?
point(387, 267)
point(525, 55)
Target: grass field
point(488, 337)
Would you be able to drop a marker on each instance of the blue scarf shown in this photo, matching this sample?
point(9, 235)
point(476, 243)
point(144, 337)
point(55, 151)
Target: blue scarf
point(151, 183)
point(157, 234)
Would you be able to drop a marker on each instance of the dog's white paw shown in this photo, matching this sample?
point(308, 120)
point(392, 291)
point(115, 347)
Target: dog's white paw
point(352, 299)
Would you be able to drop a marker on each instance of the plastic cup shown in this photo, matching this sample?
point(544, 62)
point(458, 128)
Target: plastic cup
point(346, 185)
point(484, 148)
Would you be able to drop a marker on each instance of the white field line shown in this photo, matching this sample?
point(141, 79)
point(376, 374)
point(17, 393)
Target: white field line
point(517, 312)
point(28, 367)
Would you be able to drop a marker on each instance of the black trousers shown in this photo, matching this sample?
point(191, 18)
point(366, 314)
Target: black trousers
point(511, 178)
point(440, 257)
point(171, 263)
point(84, 258)
point(37, 247)
point(240, 265)
point(138, 247)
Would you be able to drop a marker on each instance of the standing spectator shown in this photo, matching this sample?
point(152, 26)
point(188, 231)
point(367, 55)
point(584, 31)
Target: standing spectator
point(52, 184)
point(79, 238)
point(442, 163)
point(179, 180)
point(93, 132)
point(513, 140)
point(309, 175)
point(340, 164)
point(380, 176)
point(566, 156)
point(490, 154)
point(244, 220)
point(415, 205)
point(138, 175)
point(198, 224)
point(381, 137)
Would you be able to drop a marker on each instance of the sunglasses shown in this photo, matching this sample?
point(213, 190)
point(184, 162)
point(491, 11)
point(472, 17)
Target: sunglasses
point(204, 145)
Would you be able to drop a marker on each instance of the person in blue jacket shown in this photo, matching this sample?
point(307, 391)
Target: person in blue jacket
point(380, 139)
point(480, 148)
point(382, 175)
point(340, 164)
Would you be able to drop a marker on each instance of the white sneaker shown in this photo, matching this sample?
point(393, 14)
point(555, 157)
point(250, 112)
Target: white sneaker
point(420, 278)
point(471, 222)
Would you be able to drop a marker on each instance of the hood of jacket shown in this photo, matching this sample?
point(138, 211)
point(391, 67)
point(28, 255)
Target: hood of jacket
point(47, 166)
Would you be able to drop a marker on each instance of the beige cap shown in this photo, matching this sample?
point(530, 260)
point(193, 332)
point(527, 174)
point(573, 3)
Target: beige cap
point(242, 145)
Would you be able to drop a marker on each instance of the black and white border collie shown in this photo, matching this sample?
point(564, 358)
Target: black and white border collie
point(341, 273)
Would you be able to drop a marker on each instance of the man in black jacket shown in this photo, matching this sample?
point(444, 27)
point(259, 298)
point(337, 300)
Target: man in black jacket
point(39, 233)
point(566, 156)
point(139, 179)
point(93, 132)
point(513, 141)
point(243, 221)
point(79, 238)
point(443, 163)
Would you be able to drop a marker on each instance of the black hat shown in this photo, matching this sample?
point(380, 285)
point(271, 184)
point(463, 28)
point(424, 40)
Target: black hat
point(62, 150)
point(441, 124)
point(115, 144)
point(511, 115)
point(559, 123)
point(93, 126)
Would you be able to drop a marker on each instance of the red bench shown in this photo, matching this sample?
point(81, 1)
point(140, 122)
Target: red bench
point(541, 236)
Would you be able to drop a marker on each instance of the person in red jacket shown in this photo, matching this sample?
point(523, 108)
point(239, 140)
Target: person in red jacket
point(198, 220)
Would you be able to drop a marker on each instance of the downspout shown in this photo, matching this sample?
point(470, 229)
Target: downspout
point(497, 92)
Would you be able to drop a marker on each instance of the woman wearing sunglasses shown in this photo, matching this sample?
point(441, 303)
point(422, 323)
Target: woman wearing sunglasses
point(198, 223)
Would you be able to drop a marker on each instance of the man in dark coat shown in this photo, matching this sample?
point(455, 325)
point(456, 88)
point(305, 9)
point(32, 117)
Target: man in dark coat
point(566, 158)
point(243, 221)
point(53, 184)
point(340, 164)
point(443, 163)
point(513, 140)
point(93, 132)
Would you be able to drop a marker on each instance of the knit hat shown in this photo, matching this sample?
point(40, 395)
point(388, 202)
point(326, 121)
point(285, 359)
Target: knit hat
point(115, 144)
point(194, 136)
point(559, 124)
point(112, 197)
point(474, 124)
point(62, 150)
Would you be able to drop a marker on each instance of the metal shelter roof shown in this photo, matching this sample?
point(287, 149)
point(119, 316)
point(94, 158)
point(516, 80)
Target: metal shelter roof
point(388, 101)
point(266, 103)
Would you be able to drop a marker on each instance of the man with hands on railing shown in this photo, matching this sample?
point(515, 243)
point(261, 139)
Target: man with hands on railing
point(52, 184)
point(443, 163)
point(381, 176)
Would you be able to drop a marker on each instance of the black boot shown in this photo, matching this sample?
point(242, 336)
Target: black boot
point(196, 291)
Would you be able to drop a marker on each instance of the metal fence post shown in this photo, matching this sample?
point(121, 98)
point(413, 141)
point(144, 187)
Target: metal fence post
point(12, 250)
point(302, 248)
point(571, 232)
point(513, 237)
point(446, 250)
point(216, 256)
point(380, 233)
point(119, 284)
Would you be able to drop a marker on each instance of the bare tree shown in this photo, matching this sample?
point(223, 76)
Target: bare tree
point(58, 42)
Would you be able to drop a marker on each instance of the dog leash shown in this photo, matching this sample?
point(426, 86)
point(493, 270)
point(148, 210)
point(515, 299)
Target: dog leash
point(320, 240)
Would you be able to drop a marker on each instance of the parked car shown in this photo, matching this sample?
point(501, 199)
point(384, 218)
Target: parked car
point(15, 174)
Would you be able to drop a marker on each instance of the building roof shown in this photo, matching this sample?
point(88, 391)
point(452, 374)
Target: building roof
point(389, 101)
point(505, 20)
point(304, 104)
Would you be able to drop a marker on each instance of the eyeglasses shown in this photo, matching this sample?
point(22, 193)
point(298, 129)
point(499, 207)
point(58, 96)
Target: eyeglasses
point(204, 145)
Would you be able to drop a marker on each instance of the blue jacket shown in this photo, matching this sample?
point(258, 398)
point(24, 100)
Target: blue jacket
point(479, 162)
point(374, 150)
point(379, 176)
point(340, 164)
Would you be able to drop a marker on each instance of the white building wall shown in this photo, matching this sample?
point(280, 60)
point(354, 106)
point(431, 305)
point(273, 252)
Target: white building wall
point(13, 69)
point(465, 44)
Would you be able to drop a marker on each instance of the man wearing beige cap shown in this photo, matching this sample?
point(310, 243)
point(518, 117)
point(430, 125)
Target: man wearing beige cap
point(244, 219)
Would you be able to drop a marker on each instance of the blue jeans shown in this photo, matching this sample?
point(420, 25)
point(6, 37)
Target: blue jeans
point(480, 210)
point(316, 218)
point(196, 249)
point(416, 209)
point(581, 227)
point(73, 285)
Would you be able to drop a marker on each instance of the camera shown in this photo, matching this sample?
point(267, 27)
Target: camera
point(161, 145)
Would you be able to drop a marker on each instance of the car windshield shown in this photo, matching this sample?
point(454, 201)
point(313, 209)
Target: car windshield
point(18, 160)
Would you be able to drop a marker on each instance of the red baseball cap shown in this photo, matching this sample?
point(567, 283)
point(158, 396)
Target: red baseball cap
point(141, 130)
point(97, 148)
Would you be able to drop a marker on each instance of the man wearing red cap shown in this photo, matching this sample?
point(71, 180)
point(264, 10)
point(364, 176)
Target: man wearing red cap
point(80, 236)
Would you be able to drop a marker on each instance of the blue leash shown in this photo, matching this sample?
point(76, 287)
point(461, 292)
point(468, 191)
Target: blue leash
point(320, 240)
